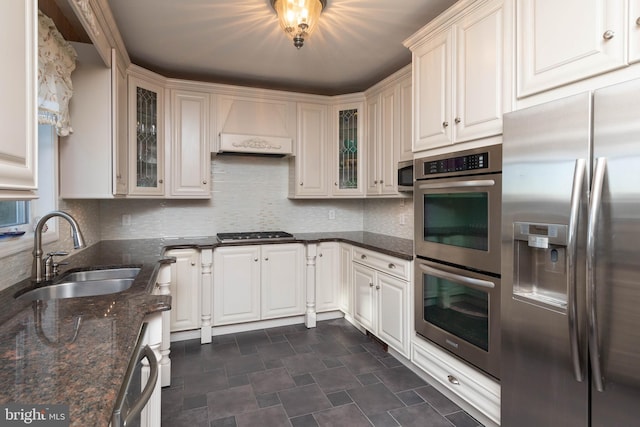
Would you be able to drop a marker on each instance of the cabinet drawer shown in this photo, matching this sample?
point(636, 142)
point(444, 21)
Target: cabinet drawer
point(470, 385)
point(385, 263)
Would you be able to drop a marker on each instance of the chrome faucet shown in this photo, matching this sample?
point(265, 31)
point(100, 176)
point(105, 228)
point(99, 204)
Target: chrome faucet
point(38, 265)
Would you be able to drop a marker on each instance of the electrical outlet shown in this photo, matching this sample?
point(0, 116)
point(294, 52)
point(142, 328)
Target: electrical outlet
point(332, 214)
point(403, 219)
point(126, 219)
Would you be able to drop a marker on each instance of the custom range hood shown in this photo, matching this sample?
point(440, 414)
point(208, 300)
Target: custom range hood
point(253, 127)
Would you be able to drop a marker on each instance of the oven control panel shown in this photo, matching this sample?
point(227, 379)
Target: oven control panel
point(455, 164)
point(484, 160)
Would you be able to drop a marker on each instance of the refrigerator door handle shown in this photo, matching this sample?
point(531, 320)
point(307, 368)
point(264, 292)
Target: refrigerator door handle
point(576, 199)
point(594, 214)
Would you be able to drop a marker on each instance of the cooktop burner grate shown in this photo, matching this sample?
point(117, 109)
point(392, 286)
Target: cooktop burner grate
point(254, 236)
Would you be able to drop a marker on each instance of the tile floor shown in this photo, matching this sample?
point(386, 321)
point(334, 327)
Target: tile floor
point(332, 375)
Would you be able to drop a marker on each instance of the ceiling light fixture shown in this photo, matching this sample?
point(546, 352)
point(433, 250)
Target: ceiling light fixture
point(298, 18)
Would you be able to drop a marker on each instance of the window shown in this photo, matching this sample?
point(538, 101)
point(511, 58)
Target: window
point(22, 215)
point(14, 213)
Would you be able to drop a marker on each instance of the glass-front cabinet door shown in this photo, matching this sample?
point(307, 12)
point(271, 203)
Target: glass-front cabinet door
point(146, 136)
point(348, 150)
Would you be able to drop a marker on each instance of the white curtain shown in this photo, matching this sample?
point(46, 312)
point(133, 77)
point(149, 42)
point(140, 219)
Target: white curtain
point(56, 61)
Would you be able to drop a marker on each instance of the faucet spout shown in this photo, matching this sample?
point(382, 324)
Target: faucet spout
point(78, 241)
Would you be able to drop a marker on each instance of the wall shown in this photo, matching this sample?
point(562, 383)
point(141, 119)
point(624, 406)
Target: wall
point(385, 215)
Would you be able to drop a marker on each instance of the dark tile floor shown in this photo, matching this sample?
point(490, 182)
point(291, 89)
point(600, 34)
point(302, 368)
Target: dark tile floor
point(332, 375)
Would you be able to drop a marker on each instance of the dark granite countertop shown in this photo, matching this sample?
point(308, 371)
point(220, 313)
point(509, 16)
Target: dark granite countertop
point(41, 363)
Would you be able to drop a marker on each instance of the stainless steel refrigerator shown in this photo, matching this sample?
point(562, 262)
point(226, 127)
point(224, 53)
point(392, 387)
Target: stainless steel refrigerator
point(571, 262)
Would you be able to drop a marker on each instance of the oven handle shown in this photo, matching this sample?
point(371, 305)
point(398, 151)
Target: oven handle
point(457, 278)
point(459, 184)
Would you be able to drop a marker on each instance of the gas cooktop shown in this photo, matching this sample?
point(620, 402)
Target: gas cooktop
point(254, 236)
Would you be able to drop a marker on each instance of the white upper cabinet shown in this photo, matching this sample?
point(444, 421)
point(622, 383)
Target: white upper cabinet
point(312, 153)
point(347, 147)
point(146, 136)
point(189, 145)
point(98, 111)
point(405, 105)
point(458, 76)
point(559, 42)
point(383, 142)
point(18, 145)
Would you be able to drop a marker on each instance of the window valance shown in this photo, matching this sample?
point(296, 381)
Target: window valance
point(56, 61)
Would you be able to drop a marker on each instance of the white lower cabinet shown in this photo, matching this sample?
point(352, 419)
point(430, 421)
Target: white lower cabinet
point(476, 392)
point(151, 413)
point(257, 282)
point(328, 280)
point(185, 289)
point(382, 297)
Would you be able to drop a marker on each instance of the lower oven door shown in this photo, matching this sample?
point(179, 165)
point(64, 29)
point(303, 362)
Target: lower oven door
point(460, 311)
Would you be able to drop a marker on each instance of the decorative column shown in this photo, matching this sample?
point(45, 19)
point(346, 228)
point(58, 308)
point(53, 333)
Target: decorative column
point(206, 260)
point(310, 313)
point(163, 287)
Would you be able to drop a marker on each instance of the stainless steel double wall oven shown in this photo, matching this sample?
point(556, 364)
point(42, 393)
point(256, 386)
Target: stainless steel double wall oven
point(457, 200)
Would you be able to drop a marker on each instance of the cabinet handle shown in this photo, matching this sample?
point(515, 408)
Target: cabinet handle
point(392, 265)
point(453, 380)
point(363, 256)
point(445, 124)
point(457, 120)
point(608, 35)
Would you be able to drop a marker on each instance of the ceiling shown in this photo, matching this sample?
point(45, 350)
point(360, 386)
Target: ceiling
point(356, 43)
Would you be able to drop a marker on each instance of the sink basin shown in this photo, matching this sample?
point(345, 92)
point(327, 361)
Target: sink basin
point(110, 273)
point(85, 284)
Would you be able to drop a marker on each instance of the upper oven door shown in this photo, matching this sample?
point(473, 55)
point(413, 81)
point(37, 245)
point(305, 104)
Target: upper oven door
point(457, 220)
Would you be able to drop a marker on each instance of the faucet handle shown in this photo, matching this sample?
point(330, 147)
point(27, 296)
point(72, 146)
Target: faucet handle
point(57, 253)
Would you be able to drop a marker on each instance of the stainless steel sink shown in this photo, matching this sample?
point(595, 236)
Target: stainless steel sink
point(105, 274)
point(85, 284)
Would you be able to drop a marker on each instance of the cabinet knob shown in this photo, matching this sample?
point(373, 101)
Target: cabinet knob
point(193, 264)
point(375, 182)
point(638, 21)
point(204, 181)
point(335, 183)
point(301, 183)
point(445, 124)
point(608, 35)
point(392, 265)
point(255, 259)
point(363, 256)
point(266, 259)
point(457, 120)
point(453, 380)
point(160, 181)
point(320, 255)
point(377, 287)
point(370, 284)
point(381, 182)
